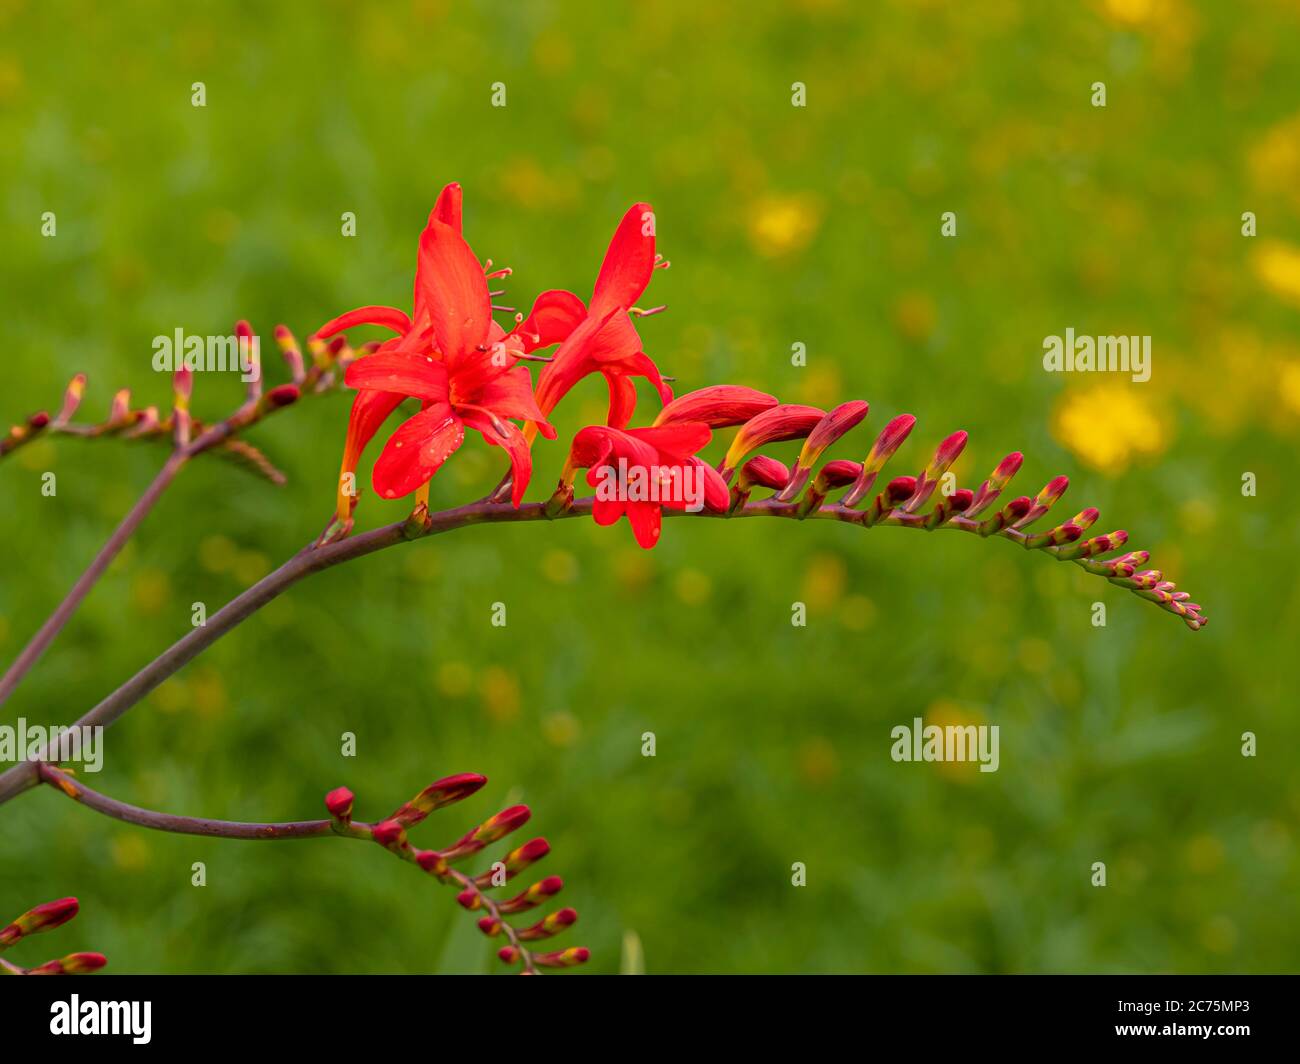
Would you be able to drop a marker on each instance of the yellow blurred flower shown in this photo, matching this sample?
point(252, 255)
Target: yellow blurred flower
point(559, 567)
point(1108, 427)
point(820, 385)
point(208, 693)
point(693, 587)
point(915, 315)
point(857, 612)
point(1277, 265)
point(560, 728)
point(944, 713)
point(216, 553)
point(500, 691)
point(818, 762)
point(149, 590)
point(1289, 385)
point(130, 852)
point(1275, 160)
point(824, 581)
point(779, 225)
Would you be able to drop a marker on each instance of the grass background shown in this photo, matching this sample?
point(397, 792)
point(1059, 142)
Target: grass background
point(815, 225)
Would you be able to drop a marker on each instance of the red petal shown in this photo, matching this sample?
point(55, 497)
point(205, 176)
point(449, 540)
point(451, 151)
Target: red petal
point(642, 365)
point(423, 378)
point(607, 511)
point(453, 291)
point(416, 450)
point(717, 496)
point(514, 444)
point(618, 340)
point(511, 395)
point(388, 317)
point(597, 445)
point(645, 519)
point(622, 399)
point(554, 316)
point(571, 363)
point(678, 441)
point(628, 263)
point(447, 208)
point(369, 411)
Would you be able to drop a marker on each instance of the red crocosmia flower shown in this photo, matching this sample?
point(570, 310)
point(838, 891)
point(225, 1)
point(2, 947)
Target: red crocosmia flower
point(370, 409)
point(453, 327)
point(467, 376)
point(610, 344)
point(639, 472)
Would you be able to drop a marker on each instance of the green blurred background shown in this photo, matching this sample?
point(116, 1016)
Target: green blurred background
point(815, 225)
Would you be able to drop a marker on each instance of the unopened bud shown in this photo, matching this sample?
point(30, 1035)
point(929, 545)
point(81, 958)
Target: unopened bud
point(339, 803)
point(44, 917)
point(567, 958)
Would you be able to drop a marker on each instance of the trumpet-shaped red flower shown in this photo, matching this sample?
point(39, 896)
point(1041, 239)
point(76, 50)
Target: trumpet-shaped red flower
point(601, 337)
point(638, 473)
point(454, 358)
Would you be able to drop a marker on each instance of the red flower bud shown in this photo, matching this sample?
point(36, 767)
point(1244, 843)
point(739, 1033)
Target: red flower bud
point(389, 834)
point(829, 429)
point(72, 964)
point(283, 395)
point(1018, 507)
point(890, 439)
point(533, 896)
point(44, 917)
point(516, 861)
point(761, 471)
point(717, 407)
point(998, 479)
point(183, 386)
point(436, 795)
point(72, 397)
point(567, 958)
point(38, 420)
point(785, 422)
point(837, 474)
point(499, 826)
point(900, 489)
point(550, 925)
point(339, 803)
point(944, 456)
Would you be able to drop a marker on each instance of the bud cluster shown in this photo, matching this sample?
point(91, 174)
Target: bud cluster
point(46, 918)
point(474, 895)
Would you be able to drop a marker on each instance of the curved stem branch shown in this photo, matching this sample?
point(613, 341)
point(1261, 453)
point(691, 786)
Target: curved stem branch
point(50, 629)
point(301, 829)
point(179, 825)
point(221, 434)
point(313, 559)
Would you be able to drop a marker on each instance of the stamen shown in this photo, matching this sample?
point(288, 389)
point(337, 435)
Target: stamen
point(504, 309)
point(639, 313)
